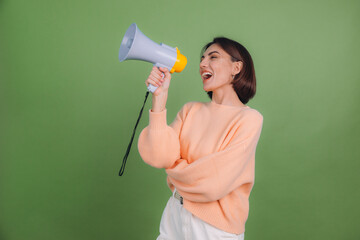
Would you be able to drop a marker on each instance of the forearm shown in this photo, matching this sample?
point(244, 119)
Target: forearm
point(158, 143)
point(215, 175)
point(159, 148)
point(159, 102)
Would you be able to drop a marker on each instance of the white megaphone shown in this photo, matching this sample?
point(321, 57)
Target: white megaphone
point(136, 46)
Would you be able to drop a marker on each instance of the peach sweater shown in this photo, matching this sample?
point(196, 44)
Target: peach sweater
point(208, 152)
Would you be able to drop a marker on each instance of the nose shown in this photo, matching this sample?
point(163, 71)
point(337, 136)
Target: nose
point(203, 63)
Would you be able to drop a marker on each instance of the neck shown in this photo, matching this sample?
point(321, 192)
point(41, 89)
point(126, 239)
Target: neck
point(226, 97)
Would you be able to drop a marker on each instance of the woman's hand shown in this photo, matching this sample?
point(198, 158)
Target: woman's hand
point(156, 79)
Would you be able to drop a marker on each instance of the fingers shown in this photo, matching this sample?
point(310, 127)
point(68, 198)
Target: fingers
point(165, 71)
point(155, 83)
point(156, 72)
point(155, 78)
point(160, 78)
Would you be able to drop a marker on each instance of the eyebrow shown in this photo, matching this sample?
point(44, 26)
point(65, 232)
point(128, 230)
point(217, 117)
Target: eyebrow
point(210, 53)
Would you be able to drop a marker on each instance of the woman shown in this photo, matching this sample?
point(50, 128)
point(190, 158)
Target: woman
point(208, 151)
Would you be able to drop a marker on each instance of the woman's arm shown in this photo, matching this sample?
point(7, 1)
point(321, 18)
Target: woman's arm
point(212, 177)
point(159, 144)
point(157, 137)
point(159, 77)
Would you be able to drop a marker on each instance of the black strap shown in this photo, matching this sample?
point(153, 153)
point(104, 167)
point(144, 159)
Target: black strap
point(121, 172)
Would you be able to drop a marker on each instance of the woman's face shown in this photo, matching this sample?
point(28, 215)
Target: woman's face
point(216, 68)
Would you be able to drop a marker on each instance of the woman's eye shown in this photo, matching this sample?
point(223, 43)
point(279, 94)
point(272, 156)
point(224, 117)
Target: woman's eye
point(212, 57)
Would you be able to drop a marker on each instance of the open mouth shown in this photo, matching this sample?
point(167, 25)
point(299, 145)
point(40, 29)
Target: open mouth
point(206, 75)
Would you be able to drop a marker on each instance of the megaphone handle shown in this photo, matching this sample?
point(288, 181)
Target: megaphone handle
point(152, 88)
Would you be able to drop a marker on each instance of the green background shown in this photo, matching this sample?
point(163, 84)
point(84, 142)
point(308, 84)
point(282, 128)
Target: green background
point(68, 107)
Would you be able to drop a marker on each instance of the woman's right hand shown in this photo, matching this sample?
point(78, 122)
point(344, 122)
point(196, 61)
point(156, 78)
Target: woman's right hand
point(156, 79)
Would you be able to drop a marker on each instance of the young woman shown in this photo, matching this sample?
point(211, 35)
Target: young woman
point(208, 151)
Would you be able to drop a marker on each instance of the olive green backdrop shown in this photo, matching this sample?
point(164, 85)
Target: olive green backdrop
point(68, 107)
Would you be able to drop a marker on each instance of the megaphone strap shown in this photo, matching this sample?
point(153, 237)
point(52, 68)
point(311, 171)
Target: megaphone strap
point(121, 172)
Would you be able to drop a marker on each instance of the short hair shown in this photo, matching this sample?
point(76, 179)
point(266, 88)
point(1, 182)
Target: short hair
point(244, 82)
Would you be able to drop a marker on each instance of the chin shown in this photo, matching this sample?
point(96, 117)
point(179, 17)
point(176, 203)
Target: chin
point(207, 88)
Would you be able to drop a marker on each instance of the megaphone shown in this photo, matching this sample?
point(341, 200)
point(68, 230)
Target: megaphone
point(136, 46)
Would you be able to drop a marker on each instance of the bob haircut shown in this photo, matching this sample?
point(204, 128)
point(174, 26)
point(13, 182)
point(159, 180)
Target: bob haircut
point(244, 82)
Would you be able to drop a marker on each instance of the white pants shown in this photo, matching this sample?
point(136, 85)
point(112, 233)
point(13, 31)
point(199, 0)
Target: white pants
point(177, 223)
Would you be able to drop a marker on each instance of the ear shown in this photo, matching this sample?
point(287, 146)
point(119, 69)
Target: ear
point(237, 66)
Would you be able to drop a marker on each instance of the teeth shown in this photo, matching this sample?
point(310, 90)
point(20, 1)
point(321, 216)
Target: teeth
point(206, 74)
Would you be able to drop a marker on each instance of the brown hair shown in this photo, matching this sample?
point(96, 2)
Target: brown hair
point(244, 82)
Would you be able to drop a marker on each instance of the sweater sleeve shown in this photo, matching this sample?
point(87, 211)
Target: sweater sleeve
point(158, 143)
point(214, 176)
